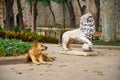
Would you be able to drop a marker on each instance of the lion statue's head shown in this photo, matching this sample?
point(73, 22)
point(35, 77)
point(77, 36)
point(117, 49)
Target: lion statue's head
point(87, 25)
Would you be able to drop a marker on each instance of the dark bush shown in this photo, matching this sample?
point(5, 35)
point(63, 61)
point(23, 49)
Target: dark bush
point(27, 36)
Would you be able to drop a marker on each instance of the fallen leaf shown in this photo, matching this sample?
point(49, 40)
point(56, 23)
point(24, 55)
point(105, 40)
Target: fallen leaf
point(18, 72)
point(94, 71)
point(85, 70)
point(30, 69)
point(119, 67)
point(62, 65)
point(41, 74)
point(99, 73)
point(109, 66)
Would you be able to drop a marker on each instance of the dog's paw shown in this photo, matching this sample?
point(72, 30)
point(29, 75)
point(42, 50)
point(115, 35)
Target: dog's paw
point(52, 58)
point(37, 63)
point(43, 62)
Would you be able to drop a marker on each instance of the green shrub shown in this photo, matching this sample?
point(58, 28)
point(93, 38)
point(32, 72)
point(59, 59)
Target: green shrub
point(13, 47)
point(0, 27)
point(100, 27)
point(16, 28)
point(2, 34)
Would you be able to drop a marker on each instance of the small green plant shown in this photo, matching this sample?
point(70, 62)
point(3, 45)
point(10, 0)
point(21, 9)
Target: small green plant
point(16, 28)
point(2, 28)
point(100, 28)
point(13, 47)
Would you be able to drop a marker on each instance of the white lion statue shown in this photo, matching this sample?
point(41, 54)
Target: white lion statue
point(83, 34)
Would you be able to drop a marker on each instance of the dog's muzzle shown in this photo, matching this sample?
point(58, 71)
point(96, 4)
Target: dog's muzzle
point(45, 48)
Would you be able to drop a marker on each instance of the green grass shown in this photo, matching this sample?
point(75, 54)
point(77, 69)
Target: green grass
point(100, 42)
point(13, 47)
point(100, 28)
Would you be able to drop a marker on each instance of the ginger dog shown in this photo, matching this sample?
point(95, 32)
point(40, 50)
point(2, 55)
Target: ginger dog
point(37, 54)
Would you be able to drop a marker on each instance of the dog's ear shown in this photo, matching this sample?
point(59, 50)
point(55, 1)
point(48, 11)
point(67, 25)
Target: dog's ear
point(35, 44)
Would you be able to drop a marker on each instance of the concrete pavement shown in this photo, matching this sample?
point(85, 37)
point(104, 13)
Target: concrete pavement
point(105, 66)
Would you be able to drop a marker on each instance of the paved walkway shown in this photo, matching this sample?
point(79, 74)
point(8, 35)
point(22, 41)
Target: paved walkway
point(105, 66)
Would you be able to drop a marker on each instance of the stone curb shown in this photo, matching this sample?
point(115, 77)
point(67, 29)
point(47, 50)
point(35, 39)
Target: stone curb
point(98, 47)
point(13, 60)
point(24, 58)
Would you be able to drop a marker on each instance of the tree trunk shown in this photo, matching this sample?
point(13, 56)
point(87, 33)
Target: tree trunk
point(71, 13)
point(20, 15)
point(52, 14)
point(9, 14)
point(97, 2)
point(30, 3)
point(110, 20)
point(64, 15)
point(80, 7)
point(34, 15)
